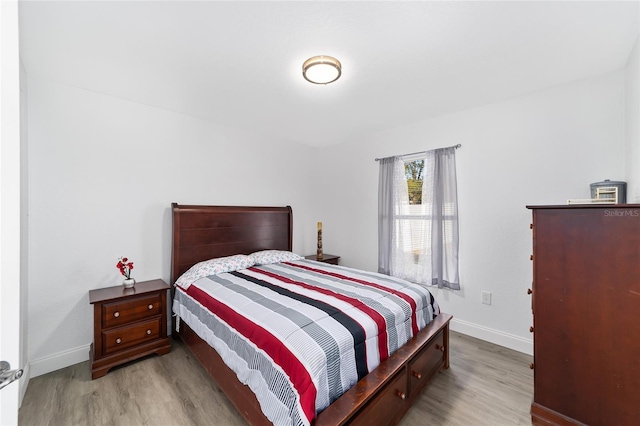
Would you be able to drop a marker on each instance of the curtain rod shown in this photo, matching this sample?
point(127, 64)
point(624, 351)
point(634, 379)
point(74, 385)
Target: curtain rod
point(419, 152)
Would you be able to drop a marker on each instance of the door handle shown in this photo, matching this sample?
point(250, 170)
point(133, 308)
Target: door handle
point(7, 375)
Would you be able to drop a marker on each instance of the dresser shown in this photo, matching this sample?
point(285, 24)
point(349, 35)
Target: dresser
point(128, 323)
point(586, 315)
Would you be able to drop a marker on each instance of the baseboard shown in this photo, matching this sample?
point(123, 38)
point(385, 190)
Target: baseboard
point(60, 360)
point(497, 337)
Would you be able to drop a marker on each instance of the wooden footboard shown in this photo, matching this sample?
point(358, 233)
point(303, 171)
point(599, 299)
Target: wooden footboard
point(382, 397)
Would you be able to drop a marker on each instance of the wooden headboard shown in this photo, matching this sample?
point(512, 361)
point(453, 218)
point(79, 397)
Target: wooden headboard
point(206, 232)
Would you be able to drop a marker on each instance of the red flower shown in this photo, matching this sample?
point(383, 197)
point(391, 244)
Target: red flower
point(125, 267)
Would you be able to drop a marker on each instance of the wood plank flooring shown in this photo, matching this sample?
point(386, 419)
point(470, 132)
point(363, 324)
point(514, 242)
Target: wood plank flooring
point(486, 385)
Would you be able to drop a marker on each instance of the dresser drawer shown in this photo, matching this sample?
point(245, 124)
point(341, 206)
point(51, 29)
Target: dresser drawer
point(383, 409)
point(422, 367)
point(129, 310)
point(125, 337)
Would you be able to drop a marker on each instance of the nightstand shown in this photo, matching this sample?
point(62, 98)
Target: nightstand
point(128, 323)
point(326, 258)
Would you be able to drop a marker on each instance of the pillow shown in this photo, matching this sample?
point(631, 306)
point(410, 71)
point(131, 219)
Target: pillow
point(266, 257)
point(214, 267)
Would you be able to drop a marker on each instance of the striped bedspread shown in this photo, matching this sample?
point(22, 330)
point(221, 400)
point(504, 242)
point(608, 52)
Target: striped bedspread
point(301, 333)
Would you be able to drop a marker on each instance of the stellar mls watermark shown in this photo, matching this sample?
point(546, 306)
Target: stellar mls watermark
point(622, 213)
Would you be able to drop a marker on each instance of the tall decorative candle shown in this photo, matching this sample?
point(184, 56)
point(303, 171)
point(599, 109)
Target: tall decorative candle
point(319, 253)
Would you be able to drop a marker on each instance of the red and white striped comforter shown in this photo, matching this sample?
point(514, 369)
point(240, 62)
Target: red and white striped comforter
point(301, 333)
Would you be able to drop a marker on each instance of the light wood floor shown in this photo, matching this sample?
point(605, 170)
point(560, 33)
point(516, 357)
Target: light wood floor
point(486, 385)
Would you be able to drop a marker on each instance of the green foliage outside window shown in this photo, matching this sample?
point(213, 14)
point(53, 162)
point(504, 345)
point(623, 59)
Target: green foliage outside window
point(414, 172)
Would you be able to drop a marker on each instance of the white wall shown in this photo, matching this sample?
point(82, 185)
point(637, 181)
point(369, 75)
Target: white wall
point(102, 174)
point(541, 148)
point(632, 123)
point(103, 171)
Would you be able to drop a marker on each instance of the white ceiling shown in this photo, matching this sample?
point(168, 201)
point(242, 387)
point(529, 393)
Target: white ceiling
point(239, 63)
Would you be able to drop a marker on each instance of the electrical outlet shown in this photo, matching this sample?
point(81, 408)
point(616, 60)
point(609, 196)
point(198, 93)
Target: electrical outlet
point(486, 297)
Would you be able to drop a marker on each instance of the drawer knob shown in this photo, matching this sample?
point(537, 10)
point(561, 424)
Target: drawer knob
point(529, 291)
point(531, 226)
point(401, 394)
point(148, 331)
point(118, 340)
point(150, 307)
point(531, 329)
point(440, 347)
point(531, 257)
point(116, 314)
point(416, 374)
point(531, 366)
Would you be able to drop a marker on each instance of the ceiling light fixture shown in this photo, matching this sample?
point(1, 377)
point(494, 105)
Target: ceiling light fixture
point(321, 69)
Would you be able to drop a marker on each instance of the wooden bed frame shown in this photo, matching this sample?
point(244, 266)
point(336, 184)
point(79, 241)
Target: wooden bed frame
point(382, 397)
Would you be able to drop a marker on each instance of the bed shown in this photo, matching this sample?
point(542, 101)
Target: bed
point(382, 396)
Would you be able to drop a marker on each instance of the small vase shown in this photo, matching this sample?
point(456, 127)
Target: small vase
point(129, 282)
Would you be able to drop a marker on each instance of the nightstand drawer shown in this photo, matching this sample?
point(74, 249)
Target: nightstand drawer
point(124, 337)
point(126, 311)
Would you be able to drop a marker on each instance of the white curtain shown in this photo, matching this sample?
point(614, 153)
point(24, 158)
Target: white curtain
point(421, 244)
point(386, 213)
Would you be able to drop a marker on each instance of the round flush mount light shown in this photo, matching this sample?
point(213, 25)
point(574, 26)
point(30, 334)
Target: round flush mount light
point(321, 69)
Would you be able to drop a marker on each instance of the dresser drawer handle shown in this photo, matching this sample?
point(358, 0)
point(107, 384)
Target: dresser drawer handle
point(118, 340)
point(440, 347)
point(150, 307)
point(416, 374)
point(148, 331)
point(529, 291)
point(116, 314)
point(401, 394)
point(531, 329)
point(532, 366)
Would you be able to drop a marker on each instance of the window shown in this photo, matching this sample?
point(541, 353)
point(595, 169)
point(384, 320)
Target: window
point(420, 231)
point(413, 220)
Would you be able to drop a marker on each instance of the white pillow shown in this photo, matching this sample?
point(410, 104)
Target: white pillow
point(214, 267)
point(266, 257)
